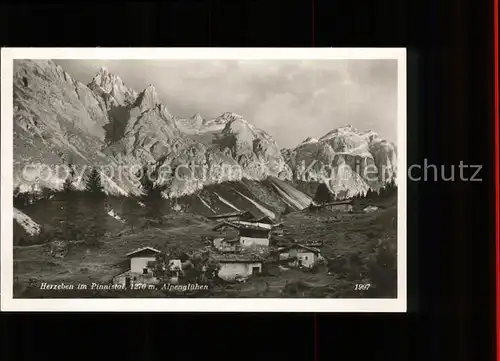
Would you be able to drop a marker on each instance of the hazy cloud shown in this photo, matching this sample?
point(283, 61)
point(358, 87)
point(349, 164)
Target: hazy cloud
point(291, 100)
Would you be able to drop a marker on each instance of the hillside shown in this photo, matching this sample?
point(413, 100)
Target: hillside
point(351, 243)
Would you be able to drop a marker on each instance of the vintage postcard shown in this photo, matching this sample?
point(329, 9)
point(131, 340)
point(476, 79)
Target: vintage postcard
point(203, 179)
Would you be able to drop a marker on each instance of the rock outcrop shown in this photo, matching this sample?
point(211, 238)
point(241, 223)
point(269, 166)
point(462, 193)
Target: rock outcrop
point(348, 160)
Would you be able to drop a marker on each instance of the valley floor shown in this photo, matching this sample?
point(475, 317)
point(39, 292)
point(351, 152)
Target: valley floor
point(360, 249)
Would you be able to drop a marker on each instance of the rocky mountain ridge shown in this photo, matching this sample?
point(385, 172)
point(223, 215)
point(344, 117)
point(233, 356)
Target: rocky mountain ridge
point(348, 160)
point(58, 120)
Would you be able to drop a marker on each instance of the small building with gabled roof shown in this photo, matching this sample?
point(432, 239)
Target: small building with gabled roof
point(140, 259)
point(298, 255)
point(224, 226)
point(227, 244)
point(141, 267)
point(249, 233)
point(238, 265)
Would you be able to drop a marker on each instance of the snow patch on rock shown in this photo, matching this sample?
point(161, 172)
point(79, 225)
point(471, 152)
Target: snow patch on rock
point(29, 225)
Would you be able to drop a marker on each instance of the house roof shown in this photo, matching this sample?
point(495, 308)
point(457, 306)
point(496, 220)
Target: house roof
point(236, 257)
point(255, 227)
point(349, 201)
point(313, 244)
point(264, 219)
point(142, 250)
point(225, 224)
point(231, 240)
point(121, 274)
point(231, 214)
point(240, 226)
point(310, 249)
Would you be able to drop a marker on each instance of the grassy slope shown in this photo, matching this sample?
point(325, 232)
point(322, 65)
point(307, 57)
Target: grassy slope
point(358, 235)
point(83, 264)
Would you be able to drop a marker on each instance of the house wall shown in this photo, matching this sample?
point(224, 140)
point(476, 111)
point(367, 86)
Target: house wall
point(284, 255)
point(249, 241)
point(138, 263)
point(254, 233)
point(135, 278)
point(229, 271)
point(289, 253)
point(308, 259)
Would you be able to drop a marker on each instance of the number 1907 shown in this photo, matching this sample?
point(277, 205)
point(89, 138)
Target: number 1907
point(362, 287)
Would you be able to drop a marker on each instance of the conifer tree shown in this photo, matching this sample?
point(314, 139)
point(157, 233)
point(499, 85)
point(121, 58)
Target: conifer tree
point(20, 199)
point(93, 205)
point(132, 212)
point(152, 196)
point(93, 184)
point(322, 195)
point(68, 182)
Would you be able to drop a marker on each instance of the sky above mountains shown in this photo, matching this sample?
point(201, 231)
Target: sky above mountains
point(289, 99)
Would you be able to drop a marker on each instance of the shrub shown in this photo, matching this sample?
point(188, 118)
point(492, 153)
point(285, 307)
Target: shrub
point(382, 270)
point(297, 288)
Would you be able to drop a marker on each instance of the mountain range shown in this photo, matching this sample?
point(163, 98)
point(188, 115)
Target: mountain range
point(227, 163)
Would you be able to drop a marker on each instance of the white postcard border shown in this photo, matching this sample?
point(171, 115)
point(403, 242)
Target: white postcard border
point(8, 303)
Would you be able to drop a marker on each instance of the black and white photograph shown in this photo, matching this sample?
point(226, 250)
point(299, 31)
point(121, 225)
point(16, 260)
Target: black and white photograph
point(203, 179)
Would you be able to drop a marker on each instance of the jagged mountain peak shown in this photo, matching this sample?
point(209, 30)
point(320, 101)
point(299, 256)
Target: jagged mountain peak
point(97, 125)
point(105, 79)
point(227, 117)
point(309, 140)
point(237, 124)
point(148, 98)
point(103, 70)
point(197, 117)
point(352, 151)
point(110, 86)
point(150, 88)
point(221, 121)
point(343, 130)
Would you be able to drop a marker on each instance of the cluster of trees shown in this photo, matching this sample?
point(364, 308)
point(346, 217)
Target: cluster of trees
point(389, 190)
point(154, 205)
point(70, 214)
point(323, 194)
point(152, 197)
point(23, 199)
point(148, 209)
point(83, 215)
